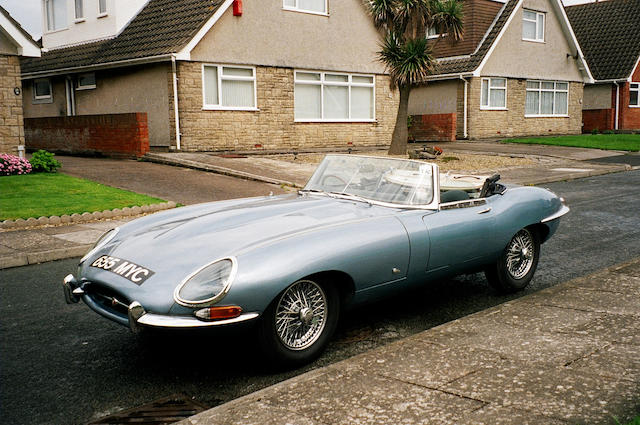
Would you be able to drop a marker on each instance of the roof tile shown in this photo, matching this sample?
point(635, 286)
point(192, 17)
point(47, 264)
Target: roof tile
point(609, 35)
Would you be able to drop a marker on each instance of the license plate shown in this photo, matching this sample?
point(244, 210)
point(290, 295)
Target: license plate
point(130, 271)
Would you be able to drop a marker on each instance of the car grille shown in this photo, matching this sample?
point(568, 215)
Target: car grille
point(108, 299)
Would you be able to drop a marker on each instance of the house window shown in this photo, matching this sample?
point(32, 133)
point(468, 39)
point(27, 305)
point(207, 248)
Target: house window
point(55, 14)
point(79, 10)
point(86, 81)
point(310, 6)
point(229, 87)
point(432, 32)
point(42, 90)
point(102, 7)
point(533, 26)
point(634, 95)
point(494, 93)
point(324, 96)
point(547, 98)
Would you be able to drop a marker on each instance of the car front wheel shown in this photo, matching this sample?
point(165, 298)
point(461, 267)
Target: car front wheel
point(298, 324)
point(515, 268)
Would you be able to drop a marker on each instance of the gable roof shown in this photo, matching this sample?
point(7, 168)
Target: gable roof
point(469, 63)
point(23, 40)
point(472, 64)
point(162, 28)
point(609, 34)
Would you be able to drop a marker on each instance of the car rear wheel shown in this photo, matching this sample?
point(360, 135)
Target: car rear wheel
point(297, 326)
point(517, 264)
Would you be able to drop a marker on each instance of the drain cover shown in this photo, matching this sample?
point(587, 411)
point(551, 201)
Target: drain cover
point(163, 411)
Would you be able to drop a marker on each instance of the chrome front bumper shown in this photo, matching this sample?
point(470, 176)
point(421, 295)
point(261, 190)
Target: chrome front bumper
point(138, 317)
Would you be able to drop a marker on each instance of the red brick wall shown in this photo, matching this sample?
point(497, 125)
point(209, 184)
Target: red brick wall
point(117, 135)
point(629, 117)
point(434, 127)
point(600, 119)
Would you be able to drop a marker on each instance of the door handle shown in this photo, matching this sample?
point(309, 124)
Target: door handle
point(484, 211)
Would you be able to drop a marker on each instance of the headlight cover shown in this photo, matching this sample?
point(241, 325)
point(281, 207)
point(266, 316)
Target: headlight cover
point(207, 285)
point(104, 239)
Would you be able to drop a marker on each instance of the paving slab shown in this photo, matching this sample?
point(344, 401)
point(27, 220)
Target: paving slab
point(554, 392)
point(563, 355)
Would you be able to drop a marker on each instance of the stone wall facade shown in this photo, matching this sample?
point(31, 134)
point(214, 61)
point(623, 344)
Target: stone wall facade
point(512, 122)
point(11, 115)
point(272, 126)
point(114, 135)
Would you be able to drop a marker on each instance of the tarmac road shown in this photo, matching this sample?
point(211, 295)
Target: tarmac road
point(65, 364)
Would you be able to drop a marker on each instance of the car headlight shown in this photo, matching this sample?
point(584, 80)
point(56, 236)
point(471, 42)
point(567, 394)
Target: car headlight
point(207, 285)
point(104, 239)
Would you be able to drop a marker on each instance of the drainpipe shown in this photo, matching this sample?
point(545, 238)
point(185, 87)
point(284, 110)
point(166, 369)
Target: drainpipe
point(175, 101)
point(617, 103)
point(465, 113)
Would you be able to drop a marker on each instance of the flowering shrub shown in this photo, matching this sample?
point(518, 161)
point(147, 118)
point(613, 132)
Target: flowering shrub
point(11, 164)
point(44, 162)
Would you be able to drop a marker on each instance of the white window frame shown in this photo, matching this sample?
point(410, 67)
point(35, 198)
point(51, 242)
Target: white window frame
point(544, 25)
point(488, 106)
point(313, 12)
point(219, 107)
point(554, 91)
point(49, 11)
point(88, 86)
point(78, 5)
point(432, 32)
point(42, 99)
point(102, 11)
point(634, 89)
point(322, 83)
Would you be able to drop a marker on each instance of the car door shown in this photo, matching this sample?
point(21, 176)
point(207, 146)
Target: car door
point(459, 237)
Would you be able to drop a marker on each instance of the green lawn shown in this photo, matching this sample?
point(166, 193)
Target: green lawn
point(618, 142)
point(36, 195)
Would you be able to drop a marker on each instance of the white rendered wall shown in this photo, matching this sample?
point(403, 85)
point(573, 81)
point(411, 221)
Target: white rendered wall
point(93, 25)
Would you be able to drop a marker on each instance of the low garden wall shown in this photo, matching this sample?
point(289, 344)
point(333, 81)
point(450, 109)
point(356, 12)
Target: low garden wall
point(433, 127)
point(115, 135)
point(598, 119)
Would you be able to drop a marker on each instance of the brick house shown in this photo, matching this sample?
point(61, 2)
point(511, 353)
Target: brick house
point(518, 71)
point(609, 33)
point(213, 75)
point(14, 42)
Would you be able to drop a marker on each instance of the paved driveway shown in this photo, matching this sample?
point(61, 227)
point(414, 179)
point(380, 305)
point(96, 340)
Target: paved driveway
point(182, 185)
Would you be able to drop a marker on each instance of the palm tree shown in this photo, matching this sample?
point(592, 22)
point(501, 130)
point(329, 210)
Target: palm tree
point(406, 52)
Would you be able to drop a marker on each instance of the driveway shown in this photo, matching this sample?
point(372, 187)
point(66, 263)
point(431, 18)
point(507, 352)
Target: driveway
point(182, 185)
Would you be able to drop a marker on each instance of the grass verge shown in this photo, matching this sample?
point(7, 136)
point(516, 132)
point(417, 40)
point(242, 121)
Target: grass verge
point(618, 142)
point(36, 195)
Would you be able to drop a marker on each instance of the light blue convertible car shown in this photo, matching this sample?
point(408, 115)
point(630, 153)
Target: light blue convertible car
point(362, 228)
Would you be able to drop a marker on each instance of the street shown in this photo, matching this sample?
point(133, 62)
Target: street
point(65, 364)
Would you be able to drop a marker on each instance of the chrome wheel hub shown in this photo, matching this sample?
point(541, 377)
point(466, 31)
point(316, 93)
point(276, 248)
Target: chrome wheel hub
point(520, 254)
point(301, 315)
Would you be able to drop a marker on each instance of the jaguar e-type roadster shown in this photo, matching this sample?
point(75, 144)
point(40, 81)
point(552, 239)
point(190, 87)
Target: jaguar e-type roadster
point(362, 228)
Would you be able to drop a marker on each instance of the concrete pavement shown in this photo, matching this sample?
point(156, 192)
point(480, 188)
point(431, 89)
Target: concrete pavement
point(563, 355)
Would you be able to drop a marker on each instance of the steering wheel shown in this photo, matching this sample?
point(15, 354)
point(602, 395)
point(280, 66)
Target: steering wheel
point(340, 180)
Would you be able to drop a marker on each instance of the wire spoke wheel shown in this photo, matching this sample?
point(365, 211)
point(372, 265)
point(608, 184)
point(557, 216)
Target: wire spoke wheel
point(301, 315)
point(520, 253)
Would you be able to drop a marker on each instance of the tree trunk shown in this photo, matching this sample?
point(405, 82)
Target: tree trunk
point(401, 132)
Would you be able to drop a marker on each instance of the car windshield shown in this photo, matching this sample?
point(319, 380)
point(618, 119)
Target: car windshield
point(378, 180)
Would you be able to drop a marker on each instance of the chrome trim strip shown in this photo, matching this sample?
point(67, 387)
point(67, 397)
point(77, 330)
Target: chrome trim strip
point(558, 214)
point(161, 321)
point(209, 301)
